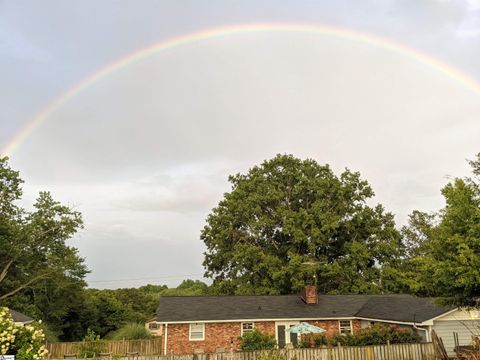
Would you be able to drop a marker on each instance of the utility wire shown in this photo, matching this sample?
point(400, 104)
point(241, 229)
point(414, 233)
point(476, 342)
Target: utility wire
point(146, 278)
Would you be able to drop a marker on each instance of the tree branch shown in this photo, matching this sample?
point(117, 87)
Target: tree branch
point(21, 287)
point(5, 270)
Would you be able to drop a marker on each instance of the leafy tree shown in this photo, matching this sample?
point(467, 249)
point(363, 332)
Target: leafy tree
point(104, 312)
point(39, 273)
point(444, 248)
point(33, 244)
point(187, 288)
point(289, 220)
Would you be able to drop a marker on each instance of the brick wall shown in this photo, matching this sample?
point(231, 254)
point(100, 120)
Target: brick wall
point(225, 335)
point(266, 327)
point(217, 335)
point(332, 326)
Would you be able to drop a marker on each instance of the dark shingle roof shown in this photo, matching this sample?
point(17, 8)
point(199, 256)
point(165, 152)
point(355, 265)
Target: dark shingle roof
point(19, 317)
point(403, 308)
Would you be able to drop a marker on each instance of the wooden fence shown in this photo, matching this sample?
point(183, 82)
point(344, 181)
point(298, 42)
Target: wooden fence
point(424, 351)
point(116, 348)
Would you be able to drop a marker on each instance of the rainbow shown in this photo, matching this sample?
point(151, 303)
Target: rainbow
point(221, 32)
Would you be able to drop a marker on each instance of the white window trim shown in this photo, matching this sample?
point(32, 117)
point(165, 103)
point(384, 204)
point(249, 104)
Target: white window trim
point(155, 324)
point(340, 327)
point(287, 325)
point(247, 322)
point(190, 332)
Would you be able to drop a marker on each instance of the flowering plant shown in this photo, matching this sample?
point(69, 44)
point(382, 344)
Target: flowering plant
point(26, 342)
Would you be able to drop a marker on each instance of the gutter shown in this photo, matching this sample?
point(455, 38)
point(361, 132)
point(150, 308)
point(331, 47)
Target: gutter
point(285, 319)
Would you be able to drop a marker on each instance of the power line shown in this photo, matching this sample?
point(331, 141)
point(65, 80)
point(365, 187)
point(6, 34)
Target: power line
point(146, 278)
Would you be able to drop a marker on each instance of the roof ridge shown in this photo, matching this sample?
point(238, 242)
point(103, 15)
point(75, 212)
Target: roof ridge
point(223, 296)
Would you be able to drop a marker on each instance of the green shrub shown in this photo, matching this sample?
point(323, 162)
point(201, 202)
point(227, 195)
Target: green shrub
point(131, 331)
point(92, 345)
point(318, 341)
point(377, 335)
point(256, 340)
point(272, 355)
point(374, 335)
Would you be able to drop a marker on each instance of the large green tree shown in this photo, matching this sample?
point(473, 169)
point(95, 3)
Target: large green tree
point(444, 247)
point(289, 220)
point(39, 272)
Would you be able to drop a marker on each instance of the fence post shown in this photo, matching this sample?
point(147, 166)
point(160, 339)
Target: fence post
point(340, 351)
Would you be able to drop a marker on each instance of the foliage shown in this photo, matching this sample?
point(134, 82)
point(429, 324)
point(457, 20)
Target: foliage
point(444, 247)
point(91, 345)
point(187, 288)
point(50, 335)
point(33, 243)
point(287, 221)
point(376, 335)
point(256, 340)
point(131, 331)
point(318, 340)
point(105, 312)
point(39, 273)
point(25, 342)
point(272, 355)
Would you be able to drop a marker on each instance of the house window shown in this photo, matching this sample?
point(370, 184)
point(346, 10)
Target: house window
point(247, 327)
point(197, 332)
point(153, 326)
point(345, 326)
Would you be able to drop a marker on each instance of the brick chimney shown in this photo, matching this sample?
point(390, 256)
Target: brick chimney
point(309, 294)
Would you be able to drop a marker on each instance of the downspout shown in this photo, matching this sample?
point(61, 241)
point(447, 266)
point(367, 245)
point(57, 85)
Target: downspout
point(427, 337)
point(165, 340)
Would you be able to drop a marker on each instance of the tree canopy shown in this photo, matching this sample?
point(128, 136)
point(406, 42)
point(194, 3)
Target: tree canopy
point(39, 271)
point(444, 247)
point(289, 220)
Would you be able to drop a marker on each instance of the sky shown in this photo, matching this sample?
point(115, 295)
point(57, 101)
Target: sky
point(144, 153)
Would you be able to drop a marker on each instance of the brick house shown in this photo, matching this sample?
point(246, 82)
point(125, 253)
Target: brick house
point(214, 323)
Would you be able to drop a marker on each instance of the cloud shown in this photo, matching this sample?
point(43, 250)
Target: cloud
point(182, 193)
point(145, 153)
point(15, 46)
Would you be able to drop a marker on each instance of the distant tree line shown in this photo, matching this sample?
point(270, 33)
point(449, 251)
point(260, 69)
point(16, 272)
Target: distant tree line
point(285, 223)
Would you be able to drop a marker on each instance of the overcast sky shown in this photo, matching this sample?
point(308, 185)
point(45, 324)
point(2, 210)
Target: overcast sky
point(145, 153)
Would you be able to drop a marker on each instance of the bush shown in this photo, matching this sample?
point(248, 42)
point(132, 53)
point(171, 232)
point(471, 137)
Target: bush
point(131, 331)
point(318, 340)
point(92, 345)
point(272, 355)
point(255, 340)
point(377, 335)
point(25, 342)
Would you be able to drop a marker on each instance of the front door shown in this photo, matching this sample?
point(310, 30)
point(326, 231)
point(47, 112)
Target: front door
point(283, 336)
